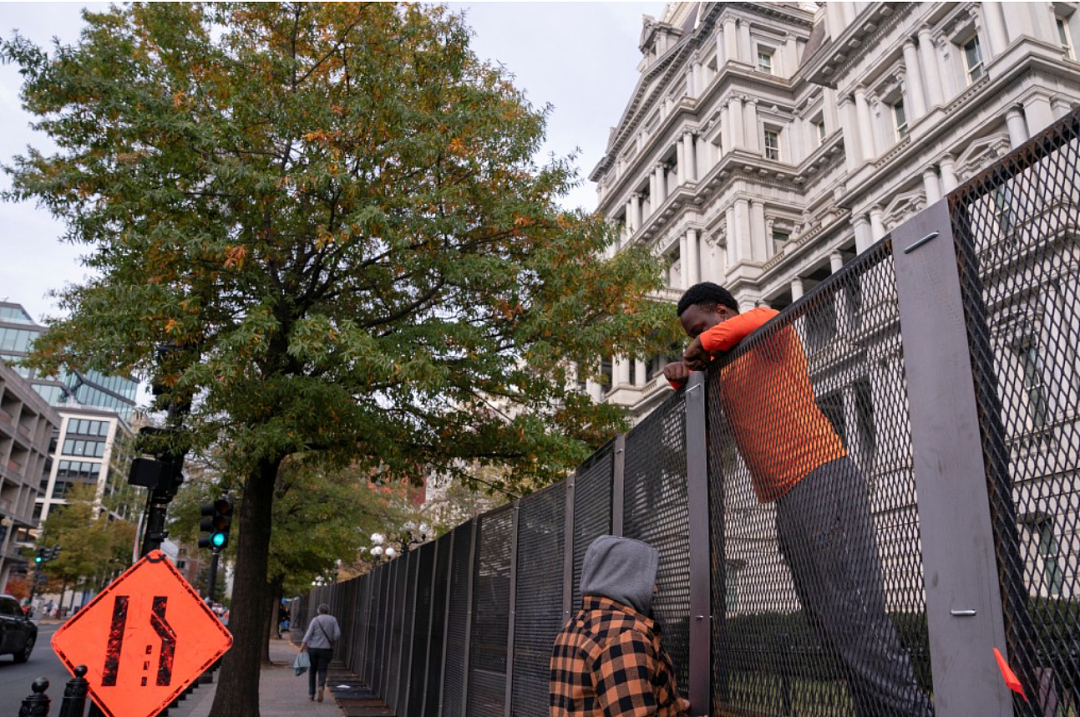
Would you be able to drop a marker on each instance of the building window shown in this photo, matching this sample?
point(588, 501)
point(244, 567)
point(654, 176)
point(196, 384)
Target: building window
point(731, 584)
point(973, 61)
point(1006, 217)
point(772, 145)
point(1064, 37)
point(779, 241)
point(819, 129)
point(1048, 551)
point(899, 120)
point(1034, 385)
point(764, 60)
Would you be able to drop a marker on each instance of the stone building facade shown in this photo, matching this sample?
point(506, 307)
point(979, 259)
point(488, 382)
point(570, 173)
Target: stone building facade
point(766, 145)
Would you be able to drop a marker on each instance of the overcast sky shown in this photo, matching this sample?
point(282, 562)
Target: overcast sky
point(579, 57)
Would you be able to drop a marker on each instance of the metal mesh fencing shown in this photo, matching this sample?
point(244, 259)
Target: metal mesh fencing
point(392, 646)
point(592, 510)
point(491, 614)
point(1016, 228)
point(655, 512)
point(455, 673)
point(408, 618)
point(538, 613)
point(375, 628)
point(436, 650)
point(424, 588)
point(817, 591)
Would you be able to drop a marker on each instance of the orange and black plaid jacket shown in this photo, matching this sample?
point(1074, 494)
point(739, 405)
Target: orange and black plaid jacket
point(608, 662)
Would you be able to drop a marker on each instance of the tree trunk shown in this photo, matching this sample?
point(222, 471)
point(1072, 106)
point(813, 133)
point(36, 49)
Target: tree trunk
point(237, 694)
point(272, 624)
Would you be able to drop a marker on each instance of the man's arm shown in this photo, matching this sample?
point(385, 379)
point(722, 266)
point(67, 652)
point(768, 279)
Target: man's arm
point(727, 334)
point(622, 675)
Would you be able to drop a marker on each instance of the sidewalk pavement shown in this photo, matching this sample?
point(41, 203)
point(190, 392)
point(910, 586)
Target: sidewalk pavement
point(281, 692)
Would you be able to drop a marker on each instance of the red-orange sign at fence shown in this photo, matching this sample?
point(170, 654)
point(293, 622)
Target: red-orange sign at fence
point(143, 639)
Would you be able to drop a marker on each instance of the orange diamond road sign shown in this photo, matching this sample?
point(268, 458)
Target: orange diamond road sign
point(143, 639)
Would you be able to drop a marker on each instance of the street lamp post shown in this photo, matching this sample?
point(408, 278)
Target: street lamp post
point(383, 544)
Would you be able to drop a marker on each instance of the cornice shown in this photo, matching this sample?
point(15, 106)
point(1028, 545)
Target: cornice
point(839, 54)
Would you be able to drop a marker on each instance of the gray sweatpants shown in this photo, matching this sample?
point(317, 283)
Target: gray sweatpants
point(826, 536)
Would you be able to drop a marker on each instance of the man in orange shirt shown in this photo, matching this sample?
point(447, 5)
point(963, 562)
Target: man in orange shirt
point(823, 521)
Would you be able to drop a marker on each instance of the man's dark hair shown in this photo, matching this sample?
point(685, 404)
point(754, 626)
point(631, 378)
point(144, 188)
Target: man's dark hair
point(708, 296)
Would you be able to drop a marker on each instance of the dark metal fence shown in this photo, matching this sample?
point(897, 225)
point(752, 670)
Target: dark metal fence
point(854, 509)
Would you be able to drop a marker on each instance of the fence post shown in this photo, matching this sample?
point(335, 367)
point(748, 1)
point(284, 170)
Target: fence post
point(430, 626)
point(697, 494)
point(568, 545)
point(412, 576)
point(513, 607)
point(963, 598)
point(473, 537)
point(618, 485)
point(446, 621)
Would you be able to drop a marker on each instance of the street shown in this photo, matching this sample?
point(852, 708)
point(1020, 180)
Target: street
point(15, 679)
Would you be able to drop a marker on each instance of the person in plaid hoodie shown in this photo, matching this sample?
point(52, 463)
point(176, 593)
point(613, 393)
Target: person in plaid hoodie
point(608, 660)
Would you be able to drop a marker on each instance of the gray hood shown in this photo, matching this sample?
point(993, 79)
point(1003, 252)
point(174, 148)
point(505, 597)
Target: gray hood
point(621, 569)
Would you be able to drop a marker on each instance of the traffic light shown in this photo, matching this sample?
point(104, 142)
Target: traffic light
point(42, 556)
point(54, 553)
point(216, 520)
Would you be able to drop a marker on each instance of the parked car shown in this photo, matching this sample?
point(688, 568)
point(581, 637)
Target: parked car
point(17, 633)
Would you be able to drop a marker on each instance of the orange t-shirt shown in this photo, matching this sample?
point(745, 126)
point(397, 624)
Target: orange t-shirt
point(766, 394)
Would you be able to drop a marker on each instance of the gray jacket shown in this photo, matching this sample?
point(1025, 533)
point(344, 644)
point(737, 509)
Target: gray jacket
point(322, 631)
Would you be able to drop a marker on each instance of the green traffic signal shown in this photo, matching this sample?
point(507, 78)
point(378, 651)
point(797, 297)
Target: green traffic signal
point(218, 539)
point(37, 559)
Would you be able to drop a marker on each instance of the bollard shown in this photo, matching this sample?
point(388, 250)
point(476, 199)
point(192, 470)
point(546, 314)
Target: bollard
point(75, 694)
point(37, 704)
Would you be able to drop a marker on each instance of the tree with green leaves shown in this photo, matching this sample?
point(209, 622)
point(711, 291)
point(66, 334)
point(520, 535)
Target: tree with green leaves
point(94, 544)
point(332, 216)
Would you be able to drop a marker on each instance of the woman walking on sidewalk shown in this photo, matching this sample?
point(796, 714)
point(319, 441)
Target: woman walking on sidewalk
point(322, 633)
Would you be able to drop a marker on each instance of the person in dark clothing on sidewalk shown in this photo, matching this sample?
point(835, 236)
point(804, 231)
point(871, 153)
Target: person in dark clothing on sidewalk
point(608, 660)
point(823, 521)
point(322, 633)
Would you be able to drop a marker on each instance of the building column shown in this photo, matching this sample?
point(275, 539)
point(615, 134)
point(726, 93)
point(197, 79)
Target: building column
point(877, 225)
point(731, 40)
point(796, 289)
point(690, 155)
point(660, 177)
point(866, 126)
point(680, 163)
point(1038, 113)
point(742, 235)
point(759, 240)
point(725, 129)
point(715, 269)
point(750, 126)
point(593, 387)
point(630, 228)
point(731, 231)
point(653, 193)
point(863, 237)
point(852, 145)
point(635, 200)
point(684, 261)
point(746, 50)
point(829, 116)
point(738, 136)
point(836, 263)
point(949, 180)
point(930, 72)
point(639, 372)
point(693, 254)
point(1014, 121)
point(916, 92)
point(996, 33)
point(622, 371)
point(931, 185)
